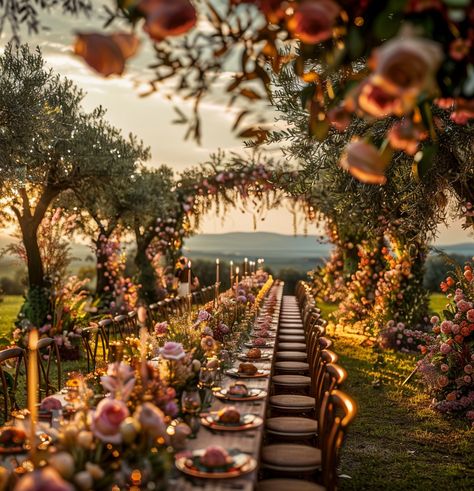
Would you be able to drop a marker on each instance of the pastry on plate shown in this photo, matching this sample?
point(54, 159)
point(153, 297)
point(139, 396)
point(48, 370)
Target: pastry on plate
point(228, 415)
point(254, 353)
point(238, 389)
point(215, 456)
point(248, 368)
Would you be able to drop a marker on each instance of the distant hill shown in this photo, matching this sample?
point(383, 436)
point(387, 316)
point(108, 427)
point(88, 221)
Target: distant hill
point(280, 251)
point(464, 249)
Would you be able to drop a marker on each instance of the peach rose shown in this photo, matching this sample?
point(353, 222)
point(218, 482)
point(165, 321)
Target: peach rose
point(107, 419)
point(165, 18)
point(312, 22)
point(404, 135)
point(365, 162)
point(45, 478)
point(339, 118)
point(152, 420)
point(106, 53)
point(403, 67)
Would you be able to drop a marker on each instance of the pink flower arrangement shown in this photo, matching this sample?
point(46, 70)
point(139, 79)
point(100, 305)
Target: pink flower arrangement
point(43, 479)
point(119, 381)
point(447, 366)
point(107, 418)
point(172, 351)
point(161, 329)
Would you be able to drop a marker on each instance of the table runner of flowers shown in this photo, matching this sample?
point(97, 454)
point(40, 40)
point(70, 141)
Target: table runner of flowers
point(120, 426)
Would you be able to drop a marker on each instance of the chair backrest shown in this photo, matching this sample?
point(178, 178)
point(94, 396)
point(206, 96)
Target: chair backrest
point(317, 342)
point(48, 355)
point(338, 410)
point(163, 310)
point(318, 371)
point(125, 325)
point(9, 383)
point(96, 345)
point(330, 377)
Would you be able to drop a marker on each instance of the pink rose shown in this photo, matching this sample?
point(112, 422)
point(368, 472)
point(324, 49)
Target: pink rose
point(161, 329)
point(172, 351)
point(107, 418)
point(446, 327)
point(470, 315)
point(445, 348)
point(455, 329)
point(365, 162)
point(467, 379)
point(312, 22)
point(43, 479)
point(119, 381)
point(443, 381)
point(464, 306)
point(152, 420)
point(444, 367)
point(468, 369)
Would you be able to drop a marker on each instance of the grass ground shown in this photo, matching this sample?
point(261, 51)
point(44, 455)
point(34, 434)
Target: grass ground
point(396, 441)
point(9, 308)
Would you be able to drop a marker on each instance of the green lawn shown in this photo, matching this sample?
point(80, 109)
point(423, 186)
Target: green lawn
point(397, 442)
point(437, 302)
point(9, 309)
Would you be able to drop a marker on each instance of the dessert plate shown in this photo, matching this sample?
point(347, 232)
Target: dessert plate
point(247, 422)
point(241, 464)
point(252, 395)
point(264, 357)
point(234, 372)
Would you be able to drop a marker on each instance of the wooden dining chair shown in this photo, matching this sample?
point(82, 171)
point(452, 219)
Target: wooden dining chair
point(303, 428)
point(337, 411)
point(96, 344)
point(11, 362)
point(292, 402)
point(48, 356)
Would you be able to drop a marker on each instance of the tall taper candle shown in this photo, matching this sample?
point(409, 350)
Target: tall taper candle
point(32, 388)
point(189, 277)
point(246, 263)
point(236, 280)
point(231, 273)
point(217, 281)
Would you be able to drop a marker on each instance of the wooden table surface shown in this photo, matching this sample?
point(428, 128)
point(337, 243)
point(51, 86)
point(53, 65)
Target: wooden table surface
point(245, 441)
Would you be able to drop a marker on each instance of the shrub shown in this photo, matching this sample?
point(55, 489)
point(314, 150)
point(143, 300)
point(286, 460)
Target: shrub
point(448, 366)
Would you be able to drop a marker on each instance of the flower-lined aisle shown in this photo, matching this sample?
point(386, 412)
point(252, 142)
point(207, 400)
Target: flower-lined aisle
point(121, 426)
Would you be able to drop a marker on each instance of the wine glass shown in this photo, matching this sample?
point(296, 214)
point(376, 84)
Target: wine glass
point(191, 405)
point(191, 401)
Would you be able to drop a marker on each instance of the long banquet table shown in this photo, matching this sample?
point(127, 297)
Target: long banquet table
point(245, 441)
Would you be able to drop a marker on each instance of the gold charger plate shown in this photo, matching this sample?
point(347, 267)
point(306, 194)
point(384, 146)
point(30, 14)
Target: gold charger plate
point(242, 464)
point(264, 357)
point(233, 372)
point(263, 346)
point(252, 395)
point(247, 422)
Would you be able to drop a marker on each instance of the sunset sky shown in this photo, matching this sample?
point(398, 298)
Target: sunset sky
point(150, 118)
